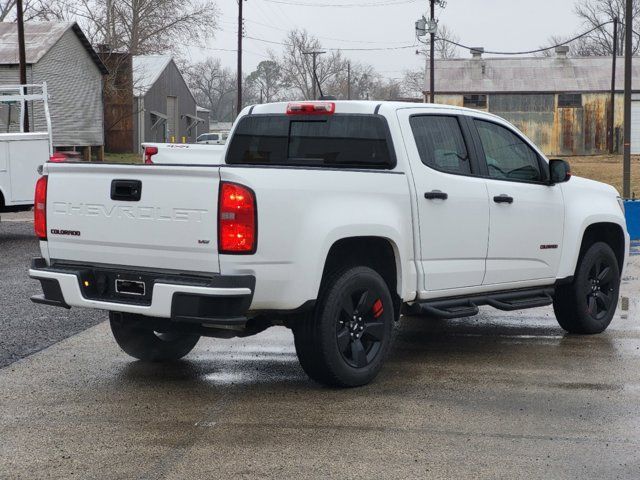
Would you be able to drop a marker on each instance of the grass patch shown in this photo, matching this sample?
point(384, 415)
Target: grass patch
point(606, 169)
point(123, 158)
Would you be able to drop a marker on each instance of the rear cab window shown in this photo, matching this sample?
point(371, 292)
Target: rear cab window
point(332, 141)
point(440, 143)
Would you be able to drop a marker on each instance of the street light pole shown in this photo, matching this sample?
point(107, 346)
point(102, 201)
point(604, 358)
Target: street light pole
point(628, 56)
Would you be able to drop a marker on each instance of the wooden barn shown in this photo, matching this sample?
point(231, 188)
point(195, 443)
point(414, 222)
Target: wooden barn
point(59, 54)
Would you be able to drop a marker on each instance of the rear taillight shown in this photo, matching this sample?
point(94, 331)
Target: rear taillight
point(64, 156)
point(148, 153)
point(57, 157)
point(237, 219)
point(315, 108)
point(40, 209)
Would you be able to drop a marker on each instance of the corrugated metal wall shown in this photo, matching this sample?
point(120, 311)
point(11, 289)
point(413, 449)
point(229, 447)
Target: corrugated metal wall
point(169, 84)
point(557, 131)
point(75, 89)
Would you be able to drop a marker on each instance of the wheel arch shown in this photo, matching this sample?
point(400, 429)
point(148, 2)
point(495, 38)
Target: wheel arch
point(608, 232)
point(379, 253)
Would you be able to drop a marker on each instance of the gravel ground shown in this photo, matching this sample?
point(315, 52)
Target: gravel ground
point(26, 328)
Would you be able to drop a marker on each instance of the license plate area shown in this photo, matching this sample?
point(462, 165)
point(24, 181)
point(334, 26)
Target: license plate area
point(133, 288)
point(99, 283)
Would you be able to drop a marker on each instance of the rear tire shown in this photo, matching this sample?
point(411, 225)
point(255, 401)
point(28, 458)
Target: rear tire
point(587, 305)
point(347, 337)
point(142, 342)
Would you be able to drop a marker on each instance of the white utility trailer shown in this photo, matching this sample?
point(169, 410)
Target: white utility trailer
point(21, 153)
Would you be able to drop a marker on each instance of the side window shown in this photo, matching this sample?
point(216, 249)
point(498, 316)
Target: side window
point(508, 157)
point(440, 143)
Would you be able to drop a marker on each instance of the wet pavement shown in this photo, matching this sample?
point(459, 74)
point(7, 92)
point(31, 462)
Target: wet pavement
point(26, 328)
point(500, 395)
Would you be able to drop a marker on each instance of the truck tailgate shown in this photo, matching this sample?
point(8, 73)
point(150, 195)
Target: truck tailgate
point(94, 215)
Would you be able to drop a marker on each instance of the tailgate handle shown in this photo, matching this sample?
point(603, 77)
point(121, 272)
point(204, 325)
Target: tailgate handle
point(126, 190)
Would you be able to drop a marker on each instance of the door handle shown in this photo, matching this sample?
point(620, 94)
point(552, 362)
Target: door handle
point(436, 195)
point(126, 190)
point(503, 199)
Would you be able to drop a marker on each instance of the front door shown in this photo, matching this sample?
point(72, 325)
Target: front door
point(527, 214)
point(452, 203)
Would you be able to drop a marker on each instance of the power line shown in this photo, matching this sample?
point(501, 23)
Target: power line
point(343, 5)
point(371, 49)
point(529, 52)
point(329, 38)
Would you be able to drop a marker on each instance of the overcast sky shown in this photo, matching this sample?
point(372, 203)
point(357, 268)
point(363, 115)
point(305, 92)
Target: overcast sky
point(494, 24)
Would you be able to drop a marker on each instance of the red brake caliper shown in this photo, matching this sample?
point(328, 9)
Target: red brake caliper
point(378, 309)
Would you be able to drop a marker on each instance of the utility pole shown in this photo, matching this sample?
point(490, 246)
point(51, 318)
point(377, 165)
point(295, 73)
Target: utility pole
point(612, 116)
point(23, 61)
point(240, 35)
point(316, 83)
point(348, 80)
point(628, 57)
point(432, 61)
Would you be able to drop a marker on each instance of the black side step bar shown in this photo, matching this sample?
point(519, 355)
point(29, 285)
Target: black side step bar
point(468, 306)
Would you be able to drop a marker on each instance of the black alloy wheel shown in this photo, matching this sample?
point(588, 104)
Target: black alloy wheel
point(588, 304)
point(600, 289)
point(344, 341)
point(360, 328)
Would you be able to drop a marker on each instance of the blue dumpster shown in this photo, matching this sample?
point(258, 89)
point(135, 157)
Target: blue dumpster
point(632, 212)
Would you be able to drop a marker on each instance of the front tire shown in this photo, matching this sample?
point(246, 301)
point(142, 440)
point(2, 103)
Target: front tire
point(347, 337)
point(588, 304)
point(144, 343)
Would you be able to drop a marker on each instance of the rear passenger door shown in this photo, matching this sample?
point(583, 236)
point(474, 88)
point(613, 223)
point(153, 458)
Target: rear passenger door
point(452, 201)
point(527, 214)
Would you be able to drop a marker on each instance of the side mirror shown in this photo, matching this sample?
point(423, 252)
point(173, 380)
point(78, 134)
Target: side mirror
point(560, 171)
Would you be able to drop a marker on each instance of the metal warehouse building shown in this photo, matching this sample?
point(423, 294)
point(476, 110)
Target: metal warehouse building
point(563, 104)
point(165, 107)
point(59, 54)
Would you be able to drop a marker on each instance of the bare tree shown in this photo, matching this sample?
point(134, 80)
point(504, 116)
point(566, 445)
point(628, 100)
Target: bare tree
point(296, 67)
point(214, 87)
point(137, 26)
point(6, 7)
point(413, 81)
point(577, 48)
point(388, 89)
point(358, 81)
point(595, 13)
point(443, 46)
point(266, 82)
point(8, 11)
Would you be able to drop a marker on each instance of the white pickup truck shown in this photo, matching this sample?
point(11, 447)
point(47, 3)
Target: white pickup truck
point(21, 153)
point(332, 219)
point(181, 153)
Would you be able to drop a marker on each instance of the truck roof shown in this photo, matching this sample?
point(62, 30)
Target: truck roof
point(360, 107)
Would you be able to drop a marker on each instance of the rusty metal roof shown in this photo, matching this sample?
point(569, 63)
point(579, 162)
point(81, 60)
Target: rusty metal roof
point(529, 75)
point(39, 38)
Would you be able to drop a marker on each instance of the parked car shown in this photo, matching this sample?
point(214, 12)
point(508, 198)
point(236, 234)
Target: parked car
point(332, 219)
point(212, 138)
point(21, 152)
point(179, 153)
